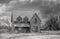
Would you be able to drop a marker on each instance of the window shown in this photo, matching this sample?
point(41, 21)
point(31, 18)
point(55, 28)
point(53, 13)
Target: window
point(35, 29)
point(35, 21)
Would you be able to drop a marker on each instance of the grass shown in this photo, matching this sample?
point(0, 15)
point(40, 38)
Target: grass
point(42, 35)
point(28, 36)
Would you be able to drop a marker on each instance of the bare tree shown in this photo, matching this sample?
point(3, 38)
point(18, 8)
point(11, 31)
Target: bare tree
point(53, 23)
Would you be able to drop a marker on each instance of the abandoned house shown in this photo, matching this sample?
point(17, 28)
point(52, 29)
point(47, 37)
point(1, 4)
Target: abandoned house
point(26, 25)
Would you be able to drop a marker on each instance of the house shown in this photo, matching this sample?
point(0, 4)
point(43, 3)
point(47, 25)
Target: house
point(26, 25)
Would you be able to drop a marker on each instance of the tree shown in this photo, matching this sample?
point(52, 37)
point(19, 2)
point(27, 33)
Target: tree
point(25, 19)
point(19, 18)
point(53, 23)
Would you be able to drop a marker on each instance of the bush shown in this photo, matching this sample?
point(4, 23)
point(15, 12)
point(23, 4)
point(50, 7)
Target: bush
point(53, 23)
point(4, 29)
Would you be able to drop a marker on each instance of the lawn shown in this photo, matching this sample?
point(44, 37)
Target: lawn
point(28, 36)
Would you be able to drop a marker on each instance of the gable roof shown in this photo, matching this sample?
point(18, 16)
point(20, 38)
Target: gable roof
point(36, 16)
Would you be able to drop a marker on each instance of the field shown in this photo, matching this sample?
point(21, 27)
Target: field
point(30, 36)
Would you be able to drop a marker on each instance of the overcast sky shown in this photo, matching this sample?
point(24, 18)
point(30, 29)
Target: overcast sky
point(43, 8)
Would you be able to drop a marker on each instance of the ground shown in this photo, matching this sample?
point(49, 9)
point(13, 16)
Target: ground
point(28, 36)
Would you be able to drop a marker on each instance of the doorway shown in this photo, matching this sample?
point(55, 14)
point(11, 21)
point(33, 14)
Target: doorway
point(25, 30)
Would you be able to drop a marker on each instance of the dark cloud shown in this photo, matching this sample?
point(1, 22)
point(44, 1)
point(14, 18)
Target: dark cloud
point(46, 7)
point(48, 10)
point(4, 1)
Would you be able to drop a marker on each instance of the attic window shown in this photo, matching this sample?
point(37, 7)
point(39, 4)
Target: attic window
point(35, 21)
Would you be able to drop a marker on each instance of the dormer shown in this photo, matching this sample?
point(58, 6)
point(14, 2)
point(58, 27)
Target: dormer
point(25, 19)
point(19, 19)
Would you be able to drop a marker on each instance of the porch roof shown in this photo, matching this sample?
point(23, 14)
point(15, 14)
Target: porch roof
point(21, 25)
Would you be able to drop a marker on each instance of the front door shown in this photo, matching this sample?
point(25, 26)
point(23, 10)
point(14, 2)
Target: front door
point(35, 29)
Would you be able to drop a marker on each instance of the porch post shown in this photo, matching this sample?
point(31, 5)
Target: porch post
point(30, 28)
